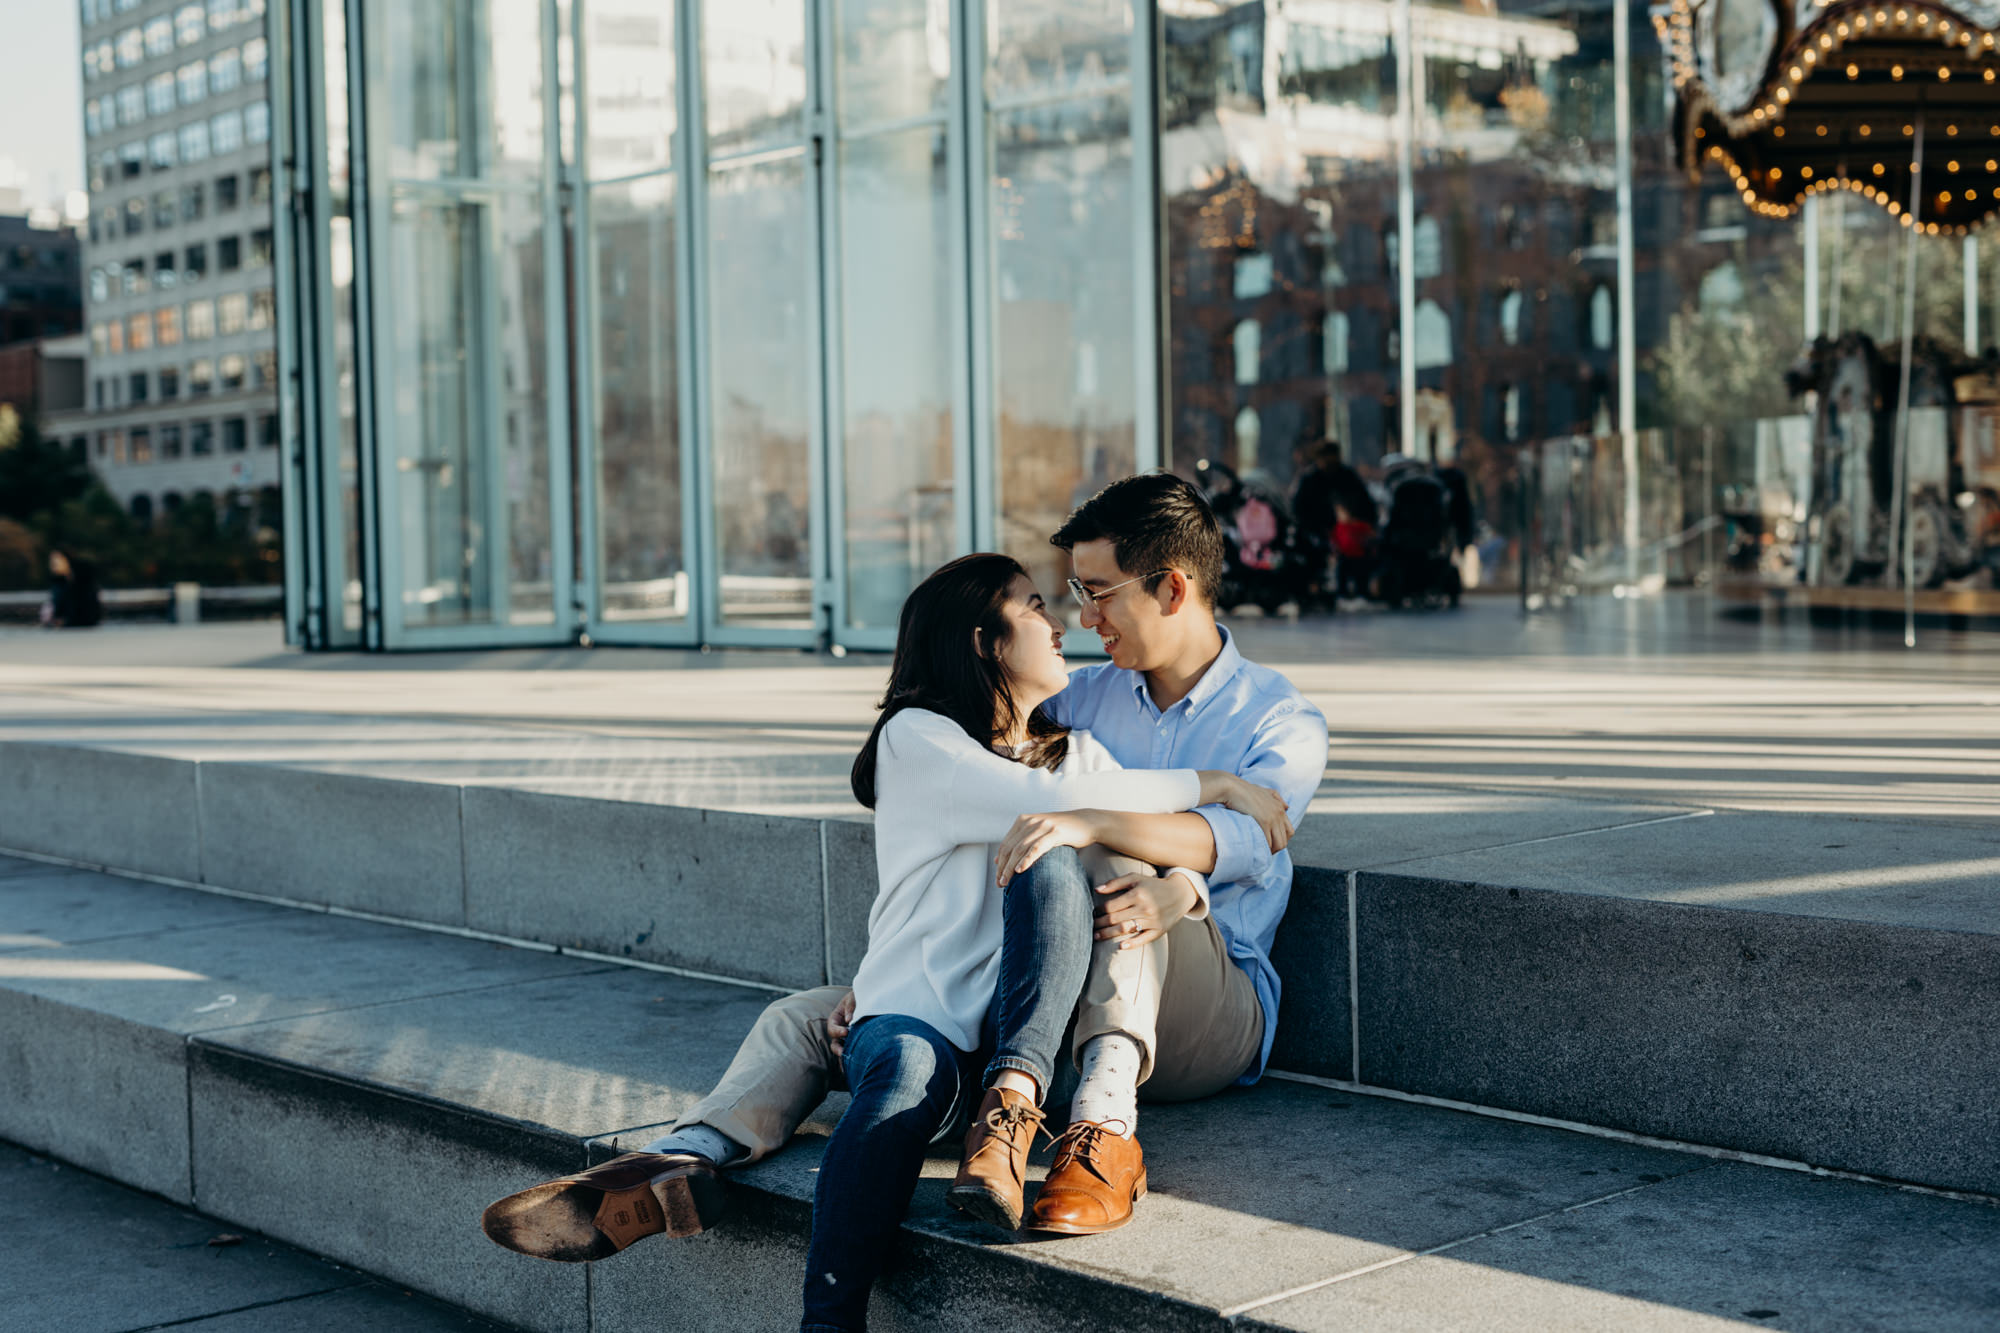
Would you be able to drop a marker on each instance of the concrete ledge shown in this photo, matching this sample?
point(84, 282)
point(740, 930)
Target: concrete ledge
point(108, 807)
point(735, 895)
point(1315, 1009)
point(1855, 1045)
point(365, 843)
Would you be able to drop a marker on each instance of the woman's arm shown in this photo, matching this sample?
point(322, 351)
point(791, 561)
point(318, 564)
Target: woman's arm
point(1165, 839)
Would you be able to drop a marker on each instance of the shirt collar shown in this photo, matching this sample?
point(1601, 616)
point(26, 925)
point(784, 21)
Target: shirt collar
point(1227, 663)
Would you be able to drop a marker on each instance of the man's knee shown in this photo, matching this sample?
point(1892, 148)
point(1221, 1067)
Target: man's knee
point(801, 1015)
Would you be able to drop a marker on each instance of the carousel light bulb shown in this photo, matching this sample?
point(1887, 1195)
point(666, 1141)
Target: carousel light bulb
point(1992, 164)
point(1853, 70)
point(1842, 29)
point(1909, 130)
point(1822, 131)
point(1951, 165)
point(1971, 194)
point(1810, 56)
point(1784, 94)
point(1881, 16)
point(1775, 173)
point(1866, 131)
point(1825, 42)
point(1878, 168)
point(1796, 73)
point(1989, 76)
point(1951, 131)
point(1806, 172)
point(1895, 71)
point(1778, 131)
point(1944, 74)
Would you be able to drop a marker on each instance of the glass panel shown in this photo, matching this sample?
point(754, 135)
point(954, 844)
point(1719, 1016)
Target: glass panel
point(760, 336)
point(896, 393)
point(340, 263)
point(1068, 48)
point(895, 59)
point(630, 65)
point(463, 88)
point(641, 574)
point(468, 413)
point(754, 66)
point(1062, 225)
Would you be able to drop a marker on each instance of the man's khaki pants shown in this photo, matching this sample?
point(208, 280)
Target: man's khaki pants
point(1191, 1010)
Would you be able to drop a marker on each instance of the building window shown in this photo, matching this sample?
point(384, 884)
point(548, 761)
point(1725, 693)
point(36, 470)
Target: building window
point(170, 386)
point(131, 48)
point(160, 37)
point(131, 158)
point(233, 369)
point(167, 332)
point(225, 71)
point(135, 216)
point(263, 368)
point(142, 509)
point(93, 119)
point(225, 193)
point(170, 502)
point(142, 445)
point(232, 312)
point(194, 142)
point(196, 264)
point(200, 320)
point(114, 338)
point(234, 439)
point(263, 308)
point(135, 387)
point(256, 58)
point(1510, 317)
point(191, 199)
point(160, 95)
point(225, 132)
point(260, 186)
point(160, 150)
point(1433, 335)
point(222, 13)
point(1333, 343)
point(257, 122)
point(1253, 275)
point(139, 336)
point(193, 80)
point(267, 430)
point(100, 285)
point(201, 377)
point(131, 104)
point(260, 248)
point(1248, 342)
point(134, 277)
point(228, 254)
point(170, 441)
point(201, 438)
point(188, 25)
point(1601, 335)
point(1427, 248)
point(165, 209)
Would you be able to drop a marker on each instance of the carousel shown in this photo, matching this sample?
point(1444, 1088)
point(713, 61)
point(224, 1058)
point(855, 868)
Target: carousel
point(1899, 106)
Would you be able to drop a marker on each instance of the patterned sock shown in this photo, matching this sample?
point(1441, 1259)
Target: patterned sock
point(1109, 1089)
point(702, 1141)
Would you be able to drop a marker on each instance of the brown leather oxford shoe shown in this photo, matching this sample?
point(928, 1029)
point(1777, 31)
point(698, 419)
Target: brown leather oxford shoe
point(600, 1211)
point(1096, 1178)
point(992, 1176)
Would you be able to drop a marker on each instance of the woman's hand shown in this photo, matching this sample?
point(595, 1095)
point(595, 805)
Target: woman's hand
point(1135, 910)
point(837, 1024)
point(1262, 804)
point(1033, 835)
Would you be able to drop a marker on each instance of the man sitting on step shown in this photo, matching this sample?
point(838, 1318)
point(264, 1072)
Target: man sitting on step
point(1187, 1008)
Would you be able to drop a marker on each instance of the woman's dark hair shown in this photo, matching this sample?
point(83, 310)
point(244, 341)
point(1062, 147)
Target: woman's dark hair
point(940, 666)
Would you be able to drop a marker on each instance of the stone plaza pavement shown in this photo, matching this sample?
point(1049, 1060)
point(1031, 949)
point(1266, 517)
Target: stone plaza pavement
point(1620, 937)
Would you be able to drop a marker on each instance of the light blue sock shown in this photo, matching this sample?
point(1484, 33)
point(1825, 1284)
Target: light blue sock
point(702, 1141)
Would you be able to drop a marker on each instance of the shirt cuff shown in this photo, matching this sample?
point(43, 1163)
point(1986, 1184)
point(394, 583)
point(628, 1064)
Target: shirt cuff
point(1241, 853)
point(1199, 912)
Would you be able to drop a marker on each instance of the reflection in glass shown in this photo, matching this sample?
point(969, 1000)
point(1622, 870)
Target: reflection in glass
point(631, 71)
point(895, 59)
point(640, 566)
point(468, 405)
point(759, 339)
point(1078, 48)
point(896, 389)
point(1062, 223)
point(754, 72)
point(464, 87)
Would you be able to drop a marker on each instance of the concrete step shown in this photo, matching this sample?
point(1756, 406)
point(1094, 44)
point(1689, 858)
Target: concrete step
point(1800, 987)
point(362, 1090)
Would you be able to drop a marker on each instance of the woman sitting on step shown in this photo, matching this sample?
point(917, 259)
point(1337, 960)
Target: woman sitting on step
point(972, 969)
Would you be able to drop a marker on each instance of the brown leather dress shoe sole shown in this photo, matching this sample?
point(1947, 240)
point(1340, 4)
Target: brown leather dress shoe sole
point(598, 1212)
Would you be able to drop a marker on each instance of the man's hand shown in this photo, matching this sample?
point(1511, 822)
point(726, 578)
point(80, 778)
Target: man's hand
point(1033, 835)
point(1138, 909)
point(1265, 806)
point(838, 1022)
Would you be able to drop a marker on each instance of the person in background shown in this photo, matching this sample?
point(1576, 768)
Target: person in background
point(73, 598)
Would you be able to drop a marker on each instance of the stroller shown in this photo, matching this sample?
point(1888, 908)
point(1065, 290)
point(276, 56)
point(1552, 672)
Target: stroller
point(1265, 562)
point(1413, 564)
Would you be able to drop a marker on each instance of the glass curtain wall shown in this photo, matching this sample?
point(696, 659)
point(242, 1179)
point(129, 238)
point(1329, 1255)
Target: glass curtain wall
point(469, 389)
point(760, 334)
point(1061, 218)
point(636, 519)
point(901, 346)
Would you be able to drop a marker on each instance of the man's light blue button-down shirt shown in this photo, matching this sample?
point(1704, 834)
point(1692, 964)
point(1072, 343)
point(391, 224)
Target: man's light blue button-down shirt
point(1241, 717)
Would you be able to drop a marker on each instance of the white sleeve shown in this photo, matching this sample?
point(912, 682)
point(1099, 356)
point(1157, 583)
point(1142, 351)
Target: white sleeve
point(983, 794)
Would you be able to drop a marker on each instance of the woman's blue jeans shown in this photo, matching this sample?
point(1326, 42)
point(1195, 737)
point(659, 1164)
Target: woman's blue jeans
point(911, 1087)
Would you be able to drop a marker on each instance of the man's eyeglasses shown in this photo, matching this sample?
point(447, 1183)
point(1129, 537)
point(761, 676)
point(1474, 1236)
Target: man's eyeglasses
point(1087, 597)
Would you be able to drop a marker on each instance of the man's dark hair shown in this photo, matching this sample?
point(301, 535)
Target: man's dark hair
point(1153, 521)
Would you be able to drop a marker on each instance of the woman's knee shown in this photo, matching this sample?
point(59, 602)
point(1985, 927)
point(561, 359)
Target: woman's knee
point(903, 1066)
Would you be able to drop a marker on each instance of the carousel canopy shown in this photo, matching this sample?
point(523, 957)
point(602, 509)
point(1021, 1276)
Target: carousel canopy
point(1796, 98)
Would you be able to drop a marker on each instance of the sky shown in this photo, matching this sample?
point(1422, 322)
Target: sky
point(41, 107)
